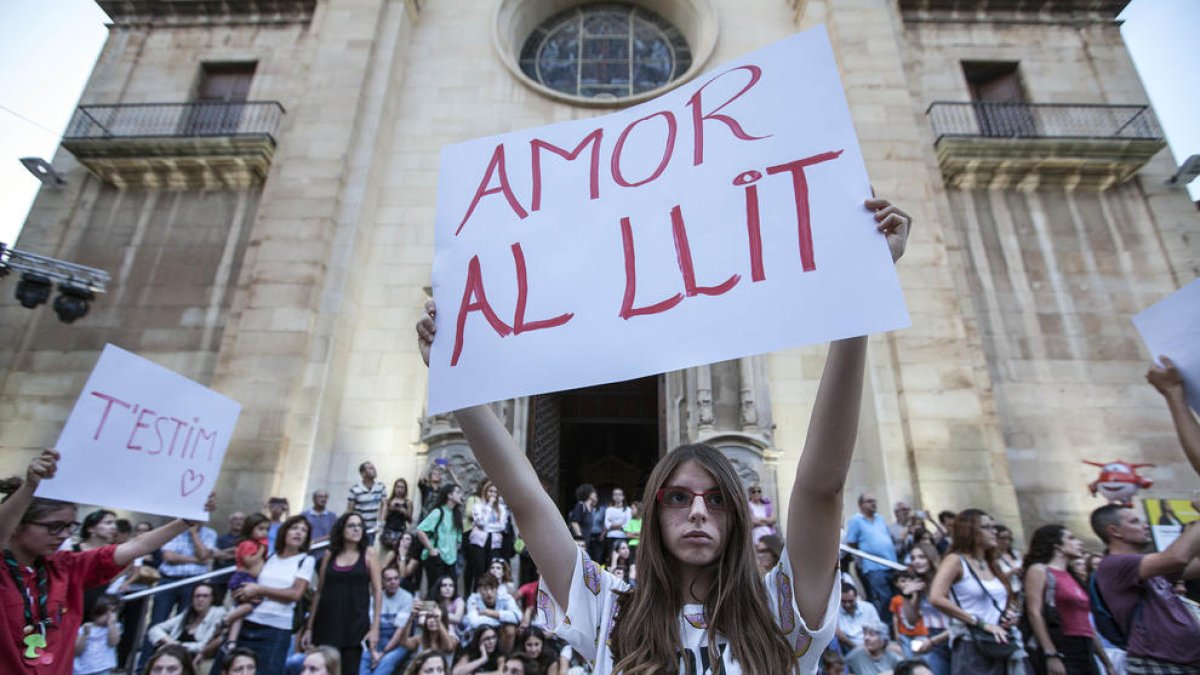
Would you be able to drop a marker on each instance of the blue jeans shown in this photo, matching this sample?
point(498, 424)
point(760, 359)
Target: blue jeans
point(269, 644)
point(386, 665)
point(295, 664)
point(939, 658)
point(879, 592)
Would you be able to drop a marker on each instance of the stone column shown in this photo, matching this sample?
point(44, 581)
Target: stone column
point(929, 391)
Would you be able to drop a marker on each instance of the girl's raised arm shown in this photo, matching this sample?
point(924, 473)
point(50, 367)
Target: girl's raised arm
point(12, 510)
point(815, 509)
point(543, 529)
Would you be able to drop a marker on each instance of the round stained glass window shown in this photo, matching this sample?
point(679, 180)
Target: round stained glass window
point(605, 51)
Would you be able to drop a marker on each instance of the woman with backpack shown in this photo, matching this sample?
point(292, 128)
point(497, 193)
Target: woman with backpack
point(441, 532)
point(1057, 607)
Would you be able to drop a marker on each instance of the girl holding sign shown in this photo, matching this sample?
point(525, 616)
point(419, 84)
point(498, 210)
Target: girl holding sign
point(41, 593)
point(700, 605)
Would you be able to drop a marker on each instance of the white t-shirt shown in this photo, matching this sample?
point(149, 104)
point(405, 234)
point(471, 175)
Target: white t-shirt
point(396, 610)
point(280, 572)
point(593, 605)
point(98, 656)
point(616, 516)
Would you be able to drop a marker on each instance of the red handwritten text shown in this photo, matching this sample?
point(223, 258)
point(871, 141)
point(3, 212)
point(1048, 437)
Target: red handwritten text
point(154, 433)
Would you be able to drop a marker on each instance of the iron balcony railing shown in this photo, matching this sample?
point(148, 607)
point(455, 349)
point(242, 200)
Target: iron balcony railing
point(1048, 121)
point(175, 120)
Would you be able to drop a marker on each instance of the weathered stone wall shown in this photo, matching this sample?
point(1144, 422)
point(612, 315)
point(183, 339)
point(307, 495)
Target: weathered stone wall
point(1053, 274)
point(174, 258)
point(298, 299)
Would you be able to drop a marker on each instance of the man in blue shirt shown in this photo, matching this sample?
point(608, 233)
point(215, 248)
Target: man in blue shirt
point(868, 531)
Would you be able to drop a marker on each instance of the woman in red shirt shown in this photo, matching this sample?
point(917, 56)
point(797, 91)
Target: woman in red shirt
point(41, 589)
point(1058, 608)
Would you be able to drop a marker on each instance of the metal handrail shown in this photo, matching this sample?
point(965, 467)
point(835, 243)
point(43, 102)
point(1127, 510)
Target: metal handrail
point(1043, 121)
point(142, 627)
point(211, 574)
point(198, 119)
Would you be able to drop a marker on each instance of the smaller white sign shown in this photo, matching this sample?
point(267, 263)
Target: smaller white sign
point(143, 438)
point(1171, 328)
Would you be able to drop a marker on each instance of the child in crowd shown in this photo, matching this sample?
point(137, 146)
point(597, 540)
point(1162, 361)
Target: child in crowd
point(622, 559)
point(832, 663)
point(488, 607)
point(911, 585)
point(96, 643)
point(500, 569)
point(250, 554)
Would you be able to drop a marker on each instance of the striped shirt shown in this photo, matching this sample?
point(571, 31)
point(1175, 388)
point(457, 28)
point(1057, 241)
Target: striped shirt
point(366, 502)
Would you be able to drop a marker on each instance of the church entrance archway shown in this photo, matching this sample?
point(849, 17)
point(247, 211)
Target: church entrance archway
point(609, 435)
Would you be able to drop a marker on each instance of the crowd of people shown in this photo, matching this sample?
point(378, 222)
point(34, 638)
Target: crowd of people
point(696, 576)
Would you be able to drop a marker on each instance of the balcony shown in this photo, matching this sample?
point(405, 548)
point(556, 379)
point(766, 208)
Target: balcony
point(1083, 146)
point(176, 145)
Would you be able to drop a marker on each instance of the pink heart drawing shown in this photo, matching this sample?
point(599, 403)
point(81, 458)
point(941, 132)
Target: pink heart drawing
point(189, 482)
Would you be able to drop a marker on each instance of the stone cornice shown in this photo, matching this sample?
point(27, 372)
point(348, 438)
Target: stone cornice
point(1038, 11)
point(216, 12)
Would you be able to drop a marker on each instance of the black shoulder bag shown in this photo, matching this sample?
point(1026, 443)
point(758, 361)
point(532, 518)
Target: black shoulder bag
point(303, 605)
point(985, 643)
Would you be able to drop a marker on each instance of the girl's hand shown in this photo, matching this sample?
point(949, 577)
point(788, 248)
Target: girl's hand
point(997, 632)
point(1008, 619)
point(306, 639)
point(210, 505)
point(426, 330)
point(893, 222)
point(43, 466)
point(1055, 666)
point(1165, 378)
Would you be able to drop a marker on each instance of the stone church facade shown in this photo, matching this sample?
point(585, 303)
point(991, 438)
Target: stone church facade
point(258, 178)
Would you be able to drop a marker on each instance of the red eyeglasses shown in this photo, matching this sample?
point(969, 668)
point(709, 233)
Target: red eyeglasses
point(675, 497)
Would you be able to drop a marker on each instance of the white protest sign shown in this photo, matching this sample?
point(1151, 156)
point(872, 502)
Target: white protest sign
point(1171, 328)
point(143, 438)
point(722, 219)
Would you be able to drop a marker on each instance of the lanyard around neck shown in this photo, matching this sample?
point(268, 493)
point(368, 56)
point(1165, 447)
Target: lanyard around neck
point(43, 590)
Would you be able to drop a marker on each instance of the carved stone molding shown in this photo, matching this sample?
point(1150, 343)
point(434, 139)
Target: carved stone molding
point(747, 395)
point(705, 414)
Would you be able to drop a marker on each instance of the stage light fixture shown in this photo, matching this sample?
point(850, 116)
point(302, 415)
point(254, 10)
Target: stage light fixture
point(72, 303)
point(77, 284)
point(33, 289)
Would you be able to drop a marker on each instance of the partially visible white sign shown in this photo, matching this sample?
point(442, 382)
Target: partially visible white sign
point(1171, 328)
point(142, 438)
point(722, 219)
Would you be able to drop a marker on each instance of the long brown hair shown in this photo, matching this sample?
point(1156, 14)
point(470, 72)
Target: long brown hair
point(931, 554)
point(966, 539)
point(646, 638)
